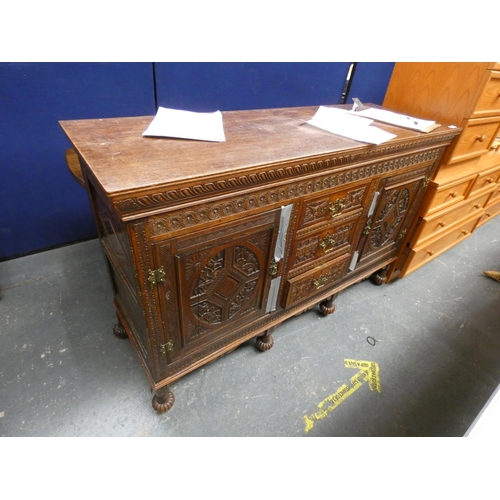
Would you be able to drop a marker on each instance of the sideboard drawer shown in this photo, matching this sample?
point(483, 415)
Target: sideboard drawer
point(328, 207)
point(312, 283)
point(428, 251)
point(444, 195)
point(313, 248)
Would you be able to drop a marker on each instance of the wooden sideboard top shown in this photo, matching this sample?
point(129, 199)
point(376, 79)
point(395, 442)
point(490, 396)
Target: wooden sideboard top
point(122, 160)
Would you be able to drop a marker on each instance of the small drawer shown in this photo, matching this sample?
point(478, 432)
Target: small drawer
point(448, 194)
point(475, 139)
point(315, 247)
point(432, 227)
point(491, 211)
point(492, 158)
point(488, 103)
point(486, 180)
point(330, 206)
point(316, 281)
point(494, 197)
point(427, 251)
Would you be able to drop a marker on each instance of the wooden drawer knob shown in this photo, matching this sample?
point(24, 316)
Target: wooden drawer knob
point(441, 223)
point(481, 138)
point(490, 180)
point(454, 194)
point(477, 205)
point(430, 252)
point(488, 214)
point(464, 231)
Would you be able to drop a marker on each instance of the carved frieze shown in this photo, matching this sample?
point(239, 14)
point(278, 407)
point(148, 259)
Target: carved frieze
point(204, 213)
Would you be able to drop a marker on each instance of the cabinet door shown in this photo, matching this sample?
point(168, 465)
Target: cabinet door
point(217, 282)
point(393, 209)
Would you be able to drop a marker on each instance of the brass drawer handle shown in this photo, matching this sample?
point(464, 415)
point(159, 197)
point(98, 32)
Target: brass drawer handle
point(481, 138)
point(327, 244)
point(320, 281)
point(337, 206)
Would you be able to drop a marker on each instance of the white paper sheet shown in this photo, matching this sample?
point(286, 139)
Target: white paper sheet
point(341, 122)
point(186, 125)
point(400, 120)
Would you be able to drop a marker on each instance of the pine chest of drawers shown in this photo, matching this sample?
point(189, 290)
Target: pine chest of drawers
point(467, 95)
point(212, 244)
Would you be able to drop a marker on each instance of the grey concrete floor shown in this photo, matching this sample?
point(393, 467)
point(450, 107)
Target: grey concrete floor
point(64, 373)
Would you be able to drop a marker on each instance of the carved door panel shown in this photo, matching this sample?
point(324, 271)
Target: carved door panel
point(216, 280)
point(394, 207)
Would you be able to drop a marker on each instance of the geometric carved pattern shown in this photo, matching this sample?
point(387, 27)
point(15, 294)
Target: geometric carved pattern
point(224, 287)
point(396, 204)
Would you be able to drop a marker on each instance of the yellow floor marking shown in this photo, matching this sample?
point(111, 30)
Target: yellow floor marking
point(368, 372)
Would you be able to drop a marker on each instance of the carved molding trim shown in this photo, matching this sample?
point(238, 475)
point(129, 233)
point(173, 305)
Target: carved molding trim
point(202, 214)
point(273, 175)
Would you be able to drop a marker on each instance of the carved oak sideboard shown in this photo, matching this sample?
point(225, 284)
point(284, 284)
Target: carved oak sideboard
point(211, 244)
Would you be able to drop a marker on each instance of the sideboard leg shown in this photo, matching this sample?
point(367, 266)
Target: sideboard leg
point(326, 306)
point(119, 331)
point(380, 277)
point(163, 400)
point(266, 341)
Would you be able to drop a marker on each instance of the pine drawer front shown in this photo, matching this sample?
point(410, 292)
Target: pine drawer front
point(491, 211)
point(445, 195)
point(475, 139)
point(317, 281)
point(494, 197)
point(488, 103)
point(427, 251)
point(492, 158)
point(433, 226)
point(486, 180)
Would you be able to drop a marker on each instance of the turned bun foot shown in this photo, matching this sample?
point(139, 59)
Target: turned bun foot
point(119, 331)
point(265, 342)
point(378, 279)
point(163, 400)
point(326, 307)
